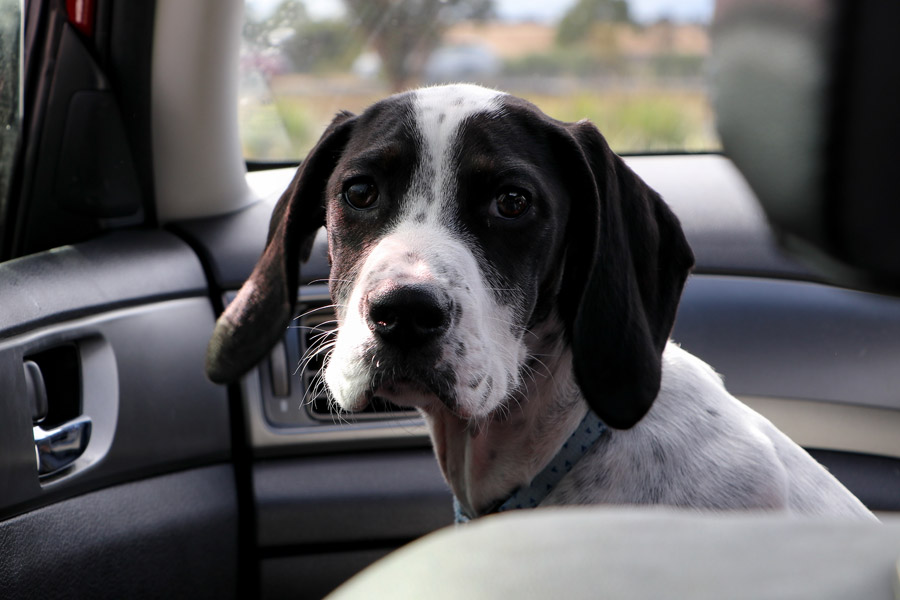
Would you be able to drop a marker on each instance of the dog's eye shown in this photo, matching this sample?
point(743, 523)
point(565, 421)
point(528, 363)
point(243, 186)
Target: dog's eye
point(361, 195)
point(511, 203)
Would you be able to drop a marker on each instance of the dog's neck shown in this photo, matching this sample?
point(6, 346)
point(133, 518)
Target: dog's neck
point(485, 462)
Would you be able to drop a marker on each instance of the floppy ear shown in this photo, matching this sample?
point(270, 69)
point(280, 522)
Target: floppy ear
point(625, 269)
point(256, 319)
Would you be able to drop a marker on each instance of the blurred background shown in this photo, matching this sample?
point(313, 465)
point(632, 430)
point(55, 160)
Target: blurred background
point(636, 68)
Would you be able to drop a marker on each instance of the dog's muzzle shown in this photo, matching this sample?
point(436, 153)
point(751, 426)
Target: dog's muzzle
point(409, 323)
point(408, 317)
point(421, 329)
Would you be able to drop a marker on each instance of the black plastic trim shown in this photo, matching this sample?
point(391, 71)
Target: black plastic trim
point(228, 245)
point(118, 270)
point(875, 480)
point(791, 339)
point(270, 165)
point(349, 498)
point(173, 536)
point(315, 575)
point(130, 55)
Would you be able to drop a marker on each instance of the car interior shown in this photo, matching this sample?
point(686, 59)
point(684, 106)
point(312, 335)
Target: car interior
point(130, 216)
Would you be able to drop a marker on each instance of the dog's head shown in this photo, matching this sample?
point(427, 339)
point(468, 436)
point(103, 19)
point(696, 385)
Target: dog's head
point(460, 220)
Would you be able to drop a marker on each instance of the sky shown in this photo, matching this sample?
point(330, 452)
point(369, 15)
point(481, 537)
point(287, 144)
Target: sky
point(539, 10)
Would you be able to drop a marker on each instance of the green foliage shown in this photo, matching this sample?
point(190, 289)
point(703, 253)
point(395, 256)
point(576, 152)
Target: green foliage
point(404, 33)
point(680, 66)
point(323, 46)
point(262, 134)
point(310, 46)
point(581, 61)
point(651, 123)
point(660, 107)
point(577, 24)
point(577, 61)
point(640, 121)
point(298, 123)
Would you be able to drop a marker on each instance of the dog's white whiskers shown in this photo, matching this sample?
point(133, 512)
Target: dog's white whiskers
point(322, 331)
point(521, 328)
point(312, 390)
point(315, 310)
point(328, 280)
point(317, 382)
point(535, 358)
point(531, 333)
point(322, 348)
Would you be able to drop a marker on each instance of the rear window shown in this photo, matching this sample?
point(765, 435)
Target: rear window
point(636, 68)
point(10, 93)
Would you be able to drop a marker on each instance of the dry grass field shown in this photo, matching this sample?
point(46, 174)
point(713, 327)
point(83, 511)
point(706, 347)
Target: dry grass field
point(286, 121)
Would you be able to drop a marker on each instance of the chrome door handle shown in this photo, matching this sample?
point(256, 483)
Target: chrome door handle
point(58, 448)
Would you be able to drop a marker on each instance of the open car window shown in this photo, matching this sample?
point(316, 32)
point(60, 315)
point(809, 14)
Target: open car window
point(636, 69)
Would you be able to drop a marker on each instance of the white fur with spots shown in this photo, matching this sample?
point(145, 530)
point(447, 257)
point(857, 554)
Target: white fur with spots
point(425, 247)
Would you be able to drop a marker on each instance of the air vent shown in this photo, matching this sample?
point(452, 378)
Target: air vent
point(316, 327)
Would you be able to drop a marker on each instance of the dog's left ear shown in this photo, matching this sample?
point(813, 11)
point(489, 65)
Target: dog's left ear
point(256, 319)
point(626, 265)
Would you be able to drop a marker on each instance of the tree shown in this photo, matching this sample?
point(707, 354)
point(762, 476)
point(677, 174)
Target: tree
point(404, 33)
point(288, 16)
point(309, 45)
point(581, 18)
point(323, 46)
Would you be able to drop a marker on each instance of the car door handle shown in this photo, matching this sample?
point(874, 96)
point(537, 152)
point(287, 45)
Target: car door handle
point(58, 448)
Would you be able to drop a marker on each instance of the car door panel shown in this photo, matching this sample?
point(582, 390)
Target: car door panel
point(150, 508)
point(170, 536)
point(320, 519)
point(334, 499)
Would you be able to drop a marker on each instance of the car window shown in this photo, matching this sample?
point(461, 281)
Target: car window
point(634, 67)
point(10, 93)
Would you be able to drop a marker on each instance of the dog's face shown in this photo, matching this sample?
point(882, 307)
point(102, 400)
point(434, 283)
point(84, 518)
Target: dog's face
point(446, 219)
point(460, 222)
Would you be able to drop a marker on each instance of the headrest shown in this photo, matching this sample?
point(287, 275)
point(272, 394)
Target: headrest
point(807, 96)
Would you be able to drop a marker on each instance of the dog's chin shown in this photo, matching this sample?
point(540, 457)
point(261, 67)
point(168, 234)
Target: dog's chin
point(408, 393)
point(428, 386)
point(415, 394)
point(405, 391)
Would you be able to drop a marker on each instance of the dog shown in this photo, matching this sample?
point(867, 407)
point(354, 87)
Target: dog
point(509, 276)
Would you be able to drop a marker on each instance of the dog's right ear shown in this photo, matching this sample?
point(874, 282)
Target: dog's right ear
point(626, 265)
point(256, 319)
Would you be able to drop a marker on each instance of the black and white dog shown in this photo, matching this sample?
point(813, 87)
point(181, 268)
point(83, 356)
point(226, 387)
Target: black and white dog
point(512, 278)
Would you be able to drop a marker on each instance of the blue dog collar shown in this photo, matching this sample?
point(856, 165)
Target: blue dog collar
point(588, 432)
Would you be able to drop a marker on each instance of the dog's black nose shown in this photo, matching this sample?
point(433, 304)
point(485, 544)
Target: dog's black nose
point(408, 316)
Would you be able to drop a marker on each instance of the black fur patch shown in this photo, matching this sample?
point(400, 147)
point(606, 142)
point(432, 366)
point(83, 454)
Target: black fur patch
point(384, 149)
point(520, 258)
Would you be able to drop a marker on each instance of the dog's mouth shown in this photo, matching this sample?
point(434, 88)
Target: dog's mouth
point(404, 392)
point(411, 389)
